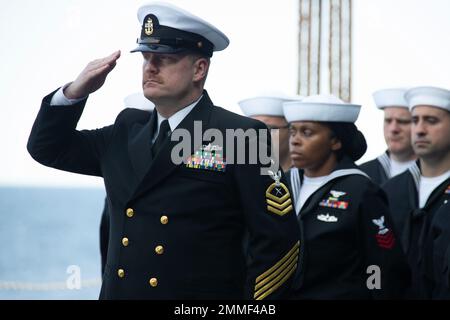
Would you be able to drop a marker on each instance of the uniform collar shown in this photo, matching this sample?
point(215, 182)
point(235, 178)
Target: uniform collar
point(385, 162)
point(176, 118)
point(345, 167)
point(416, 174)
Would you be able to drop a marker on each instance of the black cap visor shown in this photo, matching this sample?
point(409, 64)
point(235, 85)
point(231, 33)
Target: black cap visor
point(158, 48)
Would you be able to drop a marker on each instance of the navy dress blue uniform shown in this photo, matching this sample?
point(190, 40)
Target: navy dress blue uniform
point(422, 231)
point(378, 169)
point(175, 232)
point(135, 100)
point(346, 228)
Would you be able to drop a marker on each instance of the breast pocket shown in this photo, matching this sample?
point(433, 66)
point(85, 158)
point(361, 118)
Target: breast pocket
point(203, 175)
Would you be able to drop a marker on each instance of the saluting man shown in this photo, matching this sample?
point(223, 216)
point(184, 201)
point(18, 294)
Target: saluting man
point(397, 134)
point(177, 230)
point(419, 197)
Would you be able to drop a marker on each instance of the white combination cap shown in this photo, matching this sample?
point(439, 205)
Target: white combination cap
point(394, 97)
point(166, 28)
point(139, 101)
point(321, 108)
point(428, 96)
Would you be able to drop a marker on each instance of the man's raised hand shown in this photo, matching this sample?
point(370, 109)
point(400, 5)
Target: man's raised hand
point(92, 77)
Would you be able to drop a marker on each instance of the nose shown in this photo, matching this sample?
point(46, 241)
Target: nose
point(419, 128)
point(295, 140)
point(150, 64)
point(394, 127)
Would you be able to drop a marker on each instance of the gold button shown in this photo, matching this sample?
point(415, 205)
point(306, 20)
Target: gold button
point(130, 213)
point(125, 242)
point(153, 282)
point(159, 250)
point(164, 219)
point(121, 273)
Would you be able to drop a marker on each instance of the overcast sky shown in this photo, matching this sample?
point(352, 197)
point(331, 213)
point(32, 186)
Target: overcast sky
point(46, 43)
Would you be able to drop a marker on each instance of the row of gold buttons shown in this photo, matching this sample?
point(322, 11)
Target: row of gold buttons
point(159, 249)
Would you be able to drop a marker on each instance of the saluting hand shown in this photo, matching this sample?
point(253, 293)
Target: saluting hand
point(92, 77)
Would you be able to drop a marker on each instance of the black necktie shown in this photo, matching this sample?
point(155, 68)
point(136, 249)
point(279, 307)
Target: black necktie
point(164, 130)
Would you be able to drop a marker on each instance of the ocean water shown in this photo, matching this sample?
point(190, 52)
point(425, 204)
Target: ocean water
point(49, 243)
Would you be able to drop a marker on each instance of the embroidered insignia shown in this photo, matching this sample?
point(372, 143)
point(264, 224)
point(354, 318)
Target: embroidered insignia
point(207, 158)
point(269, 281)
point(333, 200)
point(447, 191)
point(327, 218)
point(385, 237)
point(278, 197)
point(337, 194)
point(148, 27)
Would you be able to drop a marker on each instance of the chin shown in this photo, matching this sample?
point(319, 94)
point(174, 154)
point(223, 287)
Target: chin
point(299, 164)
point(422, 152)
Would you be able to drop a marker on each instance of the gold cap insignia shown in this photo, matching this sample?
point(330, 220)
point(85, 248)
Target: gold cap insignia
point(148, 26)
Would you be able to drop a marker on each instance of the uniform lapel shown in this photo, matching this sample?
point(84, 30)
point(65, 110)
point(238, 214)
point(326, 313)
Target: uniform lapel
point(162, 165)
point(139, 146)
point(412, 194)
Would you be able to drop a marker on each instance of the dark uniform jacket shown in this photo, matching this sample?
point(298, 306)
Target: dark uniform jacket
point(346, 230)
point(379, 169)
point(176, 232)
point(104, 235)
point(423, 232)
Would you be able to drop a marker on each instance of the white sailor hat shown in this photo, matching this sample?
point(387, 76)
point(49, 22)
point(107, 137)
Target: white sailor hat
point(270, 105)
point(428, 96)
point(387, 98)
point(139, 101)
point(169, 29)
point(321, 108)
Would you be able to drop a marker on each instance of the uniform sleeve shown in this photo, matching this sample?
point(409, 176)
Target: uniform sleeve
point(273, 230)
point(55, 142)
point(382, 249)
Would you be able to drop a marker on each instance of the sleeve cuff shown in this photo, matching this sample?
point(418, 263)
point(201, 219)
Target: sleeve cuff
point(59, 99)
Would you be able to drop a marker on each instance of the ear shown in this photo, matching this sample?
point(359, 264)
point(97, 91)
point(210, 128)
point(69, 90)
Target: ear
point(335, 144)
point(201, 66)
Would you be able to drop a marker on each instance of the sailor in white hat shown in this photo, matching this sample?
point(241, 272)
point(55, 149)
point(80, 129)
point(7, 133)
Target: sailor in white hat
point(397, 134)
point(269, 109)
point(343, 214)
point(177, 228)
point(419, 197)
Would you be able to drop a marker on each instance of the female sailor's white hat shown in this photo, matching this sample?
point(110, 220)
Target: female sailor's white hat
point(321, 108)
